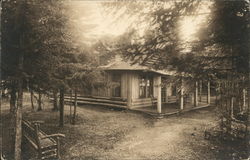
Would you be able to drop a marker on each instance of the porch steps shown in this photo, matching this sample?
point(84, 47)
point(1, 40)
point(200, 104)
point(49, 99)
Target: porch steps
point(143, 102)
point(167, 114)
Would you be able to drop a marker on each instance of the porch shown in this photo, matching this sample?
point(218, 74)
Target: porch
point(174, 108)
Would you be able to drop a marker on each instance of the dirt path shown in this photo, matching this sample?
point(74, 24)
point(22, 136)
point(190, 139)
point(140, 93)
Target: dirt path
point(172, 138)
point(134, 136)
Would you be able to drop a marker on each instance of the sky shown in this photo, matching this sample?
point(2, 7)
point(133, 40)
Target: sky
point(90, 22)
point(189, 25)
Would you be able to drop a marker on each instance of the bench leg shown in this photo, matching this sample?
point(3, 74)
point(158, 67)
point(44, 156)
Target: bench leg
point(58, 147)
point(39, 154)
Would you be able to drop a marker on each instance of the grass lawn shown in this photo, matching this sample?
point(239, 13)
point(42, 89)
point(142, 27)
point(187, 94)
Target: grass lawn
point(104, 133)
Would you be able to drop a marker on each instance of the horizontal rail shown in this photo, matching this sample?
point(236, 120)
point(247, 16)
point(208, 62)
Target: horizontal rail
point(97, 100)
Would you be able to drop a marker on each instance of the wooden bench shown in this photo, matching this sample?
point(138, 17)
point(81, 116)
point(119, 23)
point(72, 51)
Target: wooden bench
point(46, 146)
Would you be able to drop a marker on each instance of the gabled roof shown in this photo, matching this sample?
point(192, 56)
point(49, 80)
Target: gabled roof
point(119, 64)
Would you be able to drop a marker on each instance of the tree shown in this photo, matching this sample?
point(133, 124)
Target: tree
point(228, 30)
point(220, 53)
point(17, 37)
point(28, 55)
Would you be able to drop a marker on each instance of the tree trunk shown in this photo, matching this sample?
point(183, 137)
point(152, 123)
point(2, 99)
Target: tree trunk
point(61, 103)
point(31, 99)
point(70, 107)
point(13, 99)
point(39, 101)
point(18, 121)
point(200, 91)
point(18, 109)
point(75, 105)
point(196, 95)
point(55, 101)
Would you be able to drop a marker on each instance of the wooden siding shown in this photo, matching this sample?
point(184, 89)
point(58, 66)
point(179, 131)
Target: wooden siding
point(135, 85)
point(106, 91)
point(124, 85)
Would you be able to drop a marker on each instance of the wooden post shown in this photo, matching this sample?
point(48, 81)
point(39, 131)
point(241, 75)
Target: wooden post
point(55, 101)
point(166, 93)
point(181, 96)
point(75, 105)
point(38, 140)
point(219, 93)
point(244, 98)
point(196, 95)
point(70, 106)
point(129, 91)
point(208, 93)
point(39, 100)
point(232, 107)
point(61, 103)
point(158, 83)
point(31, 99)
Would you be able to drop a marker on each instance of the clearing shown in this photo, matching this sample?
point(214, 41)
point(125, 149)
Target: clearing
point(105, 133)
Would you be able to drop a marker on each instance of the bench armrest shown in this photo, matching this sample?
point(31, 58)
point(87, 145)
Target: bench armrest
point(37, 122)
point(53, 135)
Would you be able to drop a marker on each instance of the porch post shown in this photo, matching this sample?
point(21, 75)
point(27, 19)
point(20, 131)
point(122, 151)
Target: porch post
point(158, 83)
point(166, 93)
point(196, 94)
point(208, 93)
point(182, 96)
point(129, 91)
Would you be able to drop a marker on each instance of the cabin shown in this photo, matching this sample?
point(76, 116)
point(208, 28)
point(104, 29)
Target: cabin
point(134, 86)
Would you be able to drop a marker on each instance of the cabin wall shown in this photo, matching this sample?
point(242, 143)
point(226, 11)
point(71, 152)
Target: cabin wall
point(106, 91)
point(155, 87)
point(100, 91)
point(124, 85)
point(103, 91)
point(130, 89)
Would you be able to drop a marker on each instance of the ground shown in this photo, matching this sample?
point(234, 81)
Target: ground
point(106, 133)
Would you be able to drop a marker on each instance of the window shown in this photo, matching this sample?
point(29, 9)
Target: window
point(163, 94)
point(145, 86)
point(116, 85)
point(173, 89)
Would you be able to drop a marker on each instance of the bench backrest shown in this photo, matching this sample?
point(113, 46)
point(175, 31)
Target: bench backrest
point(31, 131)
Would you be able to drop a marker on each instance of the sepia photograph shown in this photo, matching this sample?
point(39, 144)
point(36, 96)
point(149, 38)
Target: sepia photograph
point(125, 80)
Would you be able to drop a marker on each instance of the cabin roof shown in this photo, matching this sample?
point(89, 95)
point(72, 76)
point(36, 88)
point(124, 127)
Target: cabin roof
point(121, 65)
